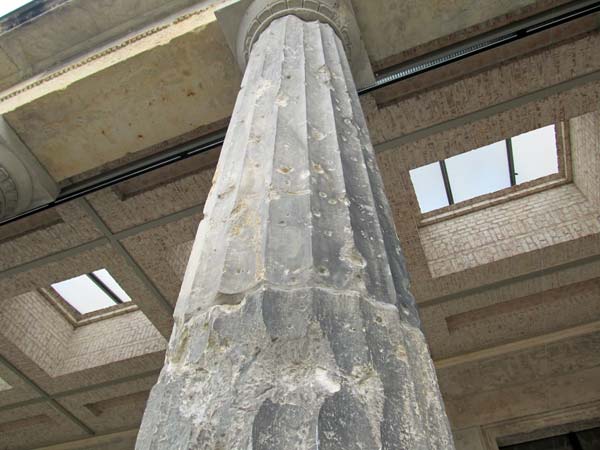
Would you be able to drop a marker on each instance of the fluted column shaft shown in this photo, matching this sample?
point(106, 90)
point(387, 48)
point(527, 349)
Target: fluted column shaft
point(295, 329)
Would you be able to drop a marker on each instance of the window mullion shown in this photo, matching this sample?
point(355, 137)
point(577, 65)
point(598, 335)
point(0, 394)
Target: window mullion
point(98, 282)
point(446, 182)
point(511, 162)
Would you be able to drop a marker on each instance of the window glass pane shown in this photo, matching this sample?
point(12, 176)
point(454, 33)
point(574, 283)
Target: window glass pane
point(429, 187)
point(112, 284)
point(83, 294)
point(8, 6)
point(535, 154)
point(478, 172)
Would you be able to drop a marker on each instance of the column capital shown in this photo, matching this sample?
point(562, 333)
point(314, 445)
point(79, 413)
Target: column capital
point(243, 21)
point(24, 183)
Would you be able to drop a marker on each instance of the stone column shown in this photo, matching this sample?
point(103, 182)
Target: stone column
point(295, 329)
point(24, 183)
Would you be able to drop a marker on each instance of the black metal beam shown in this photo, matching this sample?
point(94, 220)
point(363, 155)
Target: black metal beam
point(446, 179)
point(511, 162)
point(574, 441)
point(529, 27)
point(104, 288)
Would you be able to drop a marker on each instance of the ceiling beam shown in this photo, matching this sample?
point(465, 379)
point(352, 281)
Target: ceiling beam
point(490, 111)
point(122, 251)
point(46, 397)
point(569, 333)
point(508, 281)
point(88, 246)
point(100, 440)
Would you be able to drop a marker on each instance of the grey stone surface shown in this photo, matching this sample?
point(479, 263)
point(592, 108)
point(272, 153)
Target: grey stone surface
point(295, 328)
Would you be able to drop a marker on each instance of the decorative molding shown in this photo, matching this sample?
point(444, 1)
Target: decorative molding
point(99, 55)
point(24, 183)
point(243, 22)
point(261, 13)
point(9, 195)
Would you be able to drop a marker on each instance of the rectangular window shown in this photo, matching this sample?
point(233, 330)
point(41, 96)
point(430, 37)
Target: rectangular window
point(492, 168)
point(8, 6)
point(535, 154)
point(92, 292)
point(429, 187)
point(478, 172)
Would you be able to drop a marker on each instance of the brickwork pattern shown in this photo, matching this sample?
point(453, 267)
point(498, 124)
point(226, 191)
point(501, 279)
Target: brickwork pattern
point(36, 328)
point(117, 339)
point(585, 144)
point(520, 226)
point(486, 322)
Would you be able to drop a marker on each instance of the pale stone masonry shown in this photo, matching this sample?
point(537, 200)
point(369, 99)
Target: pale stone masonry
point(295, 328)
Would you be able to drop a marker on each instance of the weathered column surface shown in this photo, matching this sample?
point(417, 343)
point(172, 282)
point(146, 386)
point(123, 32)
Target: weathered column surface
point(295, 328)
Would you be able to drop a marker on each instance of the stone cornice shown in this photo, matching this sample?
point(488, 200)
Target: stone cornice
point(95, 56)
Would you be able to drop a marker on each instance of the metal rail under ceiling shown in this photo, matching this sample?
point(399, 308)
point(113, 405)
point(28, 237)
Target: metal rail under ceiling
point(488, 41)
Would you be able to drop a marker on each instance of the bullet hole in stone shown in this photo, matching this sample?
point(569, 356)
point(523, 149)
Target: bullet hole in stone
point(322, 195)
point(140, 136)
point(378, 319)
point(323, 270)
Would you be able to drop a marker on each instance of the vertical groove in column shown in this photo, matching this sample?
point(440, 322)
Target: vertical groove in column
point(368, 238)
point(295, 328)
point(289, 249)
point(394, 256)
point(204, 270)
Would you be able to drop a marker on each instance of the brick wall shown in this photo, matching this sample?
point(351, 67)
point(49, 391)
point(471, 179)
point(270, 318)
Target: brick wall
point(116, 339)
point(585, 148)
point(518, 226)
point(36, 328)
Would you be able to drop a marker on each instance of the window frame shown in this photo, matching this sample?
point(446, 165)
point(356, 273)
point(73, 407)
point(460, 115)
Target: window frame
point(76, 318)
point(564, 176)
